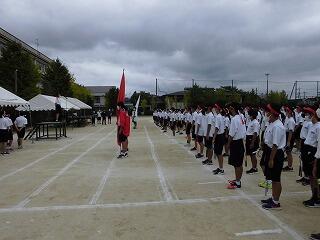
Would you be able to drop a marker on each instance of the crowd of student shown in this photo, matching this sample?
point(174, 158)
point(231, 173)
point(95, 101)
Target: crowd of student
point(7, 130)
point(272, 131)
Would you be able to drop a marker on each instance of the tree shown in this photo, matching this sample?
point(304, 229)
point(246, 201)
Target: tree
point(81, 93)
point(28, 74)
point(57, 80)
point(277, 97)
point(111, 98)
point(144, 105)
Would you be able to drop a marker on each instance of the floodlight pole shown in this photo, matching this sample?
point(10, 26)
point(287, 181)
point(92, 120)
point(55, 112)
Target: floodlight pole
point(16, 81)
point(267, 74)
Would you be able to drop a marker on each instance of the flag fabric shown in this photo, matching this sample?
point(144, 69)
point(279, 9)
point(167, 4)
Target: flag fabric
point(137, 106)
point(122, 89)
point(121, 97)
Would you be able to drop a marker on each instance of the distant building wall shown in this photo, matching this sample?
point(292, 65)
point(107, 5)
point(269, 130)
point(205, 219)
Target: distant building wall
point(41, 60)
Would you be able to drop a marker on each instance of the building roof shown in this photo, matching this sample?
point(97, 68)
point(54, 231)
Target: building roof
point(99, 89)
point(179, 93)
point(6, 36)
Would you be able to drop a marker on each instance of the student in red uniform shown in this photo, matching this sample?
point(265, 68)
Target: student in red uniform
point(126, 131)
point(121, 122)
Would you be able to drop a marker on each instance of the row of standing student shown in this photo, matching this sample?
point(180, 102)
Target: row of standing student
point(272, 129)
point(7, 129)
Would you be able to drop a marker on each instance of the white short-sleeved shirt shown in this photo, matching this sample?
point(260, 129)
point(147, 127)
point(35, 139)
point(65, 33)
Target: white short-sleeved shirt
point(188, 117)
point(3, 123)
point(21, 122)
point(10, 123)
point(299, 118)
point(194, 116)
point(289, 124)
point(211, 121)
point(220, 124)
point(275, 134)
point(237, 128)
point(202, 121)
point(305, 128)
point(313, 135)
point(259, 117)
point(227, 122)
point(253, 127)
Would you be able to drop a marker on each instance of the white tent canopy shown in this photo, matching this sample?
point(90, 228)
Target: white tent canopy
point(9, 99)
point(47, 103)
point(77, 102)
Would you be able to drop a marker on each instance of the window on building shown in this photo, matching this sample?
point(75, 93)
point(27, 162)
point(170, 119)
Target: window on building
point(97, 100)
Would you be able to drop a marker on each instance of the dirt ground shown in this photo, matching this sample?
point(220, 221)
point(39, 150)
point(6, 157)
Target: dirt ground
point(76, 188)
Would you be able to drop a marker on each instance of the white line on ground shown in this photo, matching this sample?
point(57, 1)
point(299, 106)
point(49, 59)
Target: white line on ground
point(63, 170)
point(259, 232)
point(103, 182)
point(210, 182)
point(267, 213)
point(167, 194)
point(46, 156)
point(135, 204)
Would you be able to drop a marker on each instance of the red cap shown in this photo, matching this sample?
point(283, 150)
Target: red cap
point(310, 110)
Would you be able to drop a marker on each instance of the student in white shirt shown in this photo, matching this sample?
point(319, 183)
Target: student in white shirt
point(173, 121)
point(252, 140)
point(200, 131)
point(289, 125)
point(305, 180)
point(219, 138)
point(275, 141)
point(10, 132)
point(209, 131)
point(188, 119)
point(227, 120)
point(194, 128)
point(237, 133)
point(20, 125)
point(58, 107)
point(299, 121)
point(4, 125)
point(309, 158)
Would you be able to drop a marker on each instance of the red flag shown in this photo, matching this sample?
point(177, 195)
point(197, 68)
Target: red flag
point(122, 89)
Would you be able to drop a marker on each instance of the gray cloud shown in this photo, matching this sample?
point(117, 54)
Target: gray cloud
point(208, 40)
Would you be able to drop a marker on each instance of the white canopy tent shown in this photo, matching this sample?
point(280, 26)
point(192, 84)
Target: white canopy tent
point(9, 99)
point(47, 103)
point(77, 102)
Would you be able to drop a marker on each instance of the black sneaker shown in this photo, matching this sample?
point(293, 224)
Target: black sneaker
point(315, 236)
point(193, 149)
point(225, 155)
point(125, 154)
point(207, 162)
point(218, 171)
point(271, 206)
point(199, 155)
point(287, 169)
point(252, 171)
point(306, 182)
point(269, 200)
point(300, 180)
point(120, 156)
point(311, 203)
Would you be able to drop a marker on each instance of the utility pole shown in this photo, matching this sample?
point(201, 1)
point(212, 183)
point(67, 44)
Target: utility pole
point(296, 90)
point(232, 84)
point(317, 88)
point(156, 87)
point(267, 74)
point(16, 81)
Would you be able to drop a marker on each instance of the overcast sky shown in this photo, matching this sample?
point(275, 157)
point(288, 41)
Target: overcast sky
point(175, 40)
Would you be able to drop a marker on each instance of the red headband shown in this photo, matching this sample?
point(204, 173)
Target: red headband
point(310, 110)
point(217, 106)
point(272, 111)
point(288, 109)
